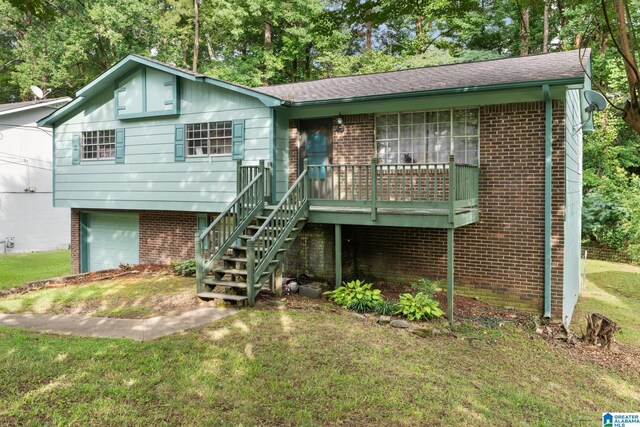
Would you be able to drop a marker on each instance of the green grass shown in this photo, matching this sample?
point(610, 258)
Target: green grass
point(133, 297)
point(614, 291)
point(302, 368)
point(17, 269)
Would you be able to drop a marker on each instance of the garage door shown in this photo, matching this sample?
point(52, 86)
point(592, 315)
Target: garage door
point(112, 239)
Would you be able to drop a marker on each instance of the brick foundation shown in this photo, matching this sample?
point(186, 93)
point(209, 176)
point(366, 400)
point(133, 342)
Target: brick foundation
point(500, 258)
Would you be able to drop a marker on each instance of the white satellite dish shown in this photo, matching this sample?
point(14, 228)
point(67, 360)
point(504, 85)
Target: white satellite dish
point(37, 92)
point(596, 101)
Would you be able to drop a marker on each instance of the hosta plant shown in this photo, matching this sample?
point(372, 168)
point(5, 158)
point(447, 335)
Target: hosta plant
point(356, 295)
point(418, 307)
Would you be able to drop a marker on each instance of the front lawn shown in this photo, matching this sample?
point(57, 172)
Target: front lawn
point(613, 290)
point(293, 367)
point(137, 296)
point(16, 269)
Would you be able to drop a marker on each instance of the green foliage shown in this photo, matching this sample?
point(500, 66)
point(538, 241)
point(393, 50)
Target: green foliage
point(184, 268)
point(426, 286)
point(418, 307)
point(356, 295)
point(385, 308)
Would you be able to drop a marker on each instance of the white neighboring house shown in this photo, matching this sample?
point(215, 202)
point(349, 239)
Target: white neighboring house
point(28, 220)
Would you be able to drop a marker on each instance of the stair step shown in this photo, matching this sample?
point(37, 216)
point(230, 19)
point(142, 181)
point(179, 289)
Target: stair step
point(230, 271)
point(257, 227)
point(227, 283)
point(234, 259)
point(247, 237)
point(214, 295)
point(244, 248)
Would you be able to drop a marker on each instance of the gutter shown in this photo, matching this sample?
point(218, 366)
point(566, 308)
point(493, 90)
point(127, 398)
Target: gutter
point(446, 91)
point(548, 128)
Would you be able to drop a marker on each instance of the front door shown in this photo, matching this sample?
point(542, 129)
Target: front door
point(315, 144)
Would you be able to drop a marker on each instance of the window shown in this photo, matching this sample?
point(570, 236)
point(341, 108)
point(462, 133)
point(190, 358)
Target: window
point(206, 139)
point(99, 145)
point(428, 136)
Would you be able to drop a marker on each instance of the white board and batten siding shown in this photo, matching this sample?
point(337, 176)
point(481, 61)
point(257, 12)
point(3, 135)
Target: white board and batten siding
point(573, 204)
point(150, 177)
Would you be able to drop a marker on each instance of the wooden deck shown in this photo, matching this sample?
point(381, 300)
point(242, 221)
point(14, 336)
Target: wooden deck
point(392, 217)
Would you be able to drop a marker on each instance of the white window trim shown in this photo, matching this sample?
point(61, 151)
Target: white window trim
point(82, 145)
point(206, 156)
point(451, 143)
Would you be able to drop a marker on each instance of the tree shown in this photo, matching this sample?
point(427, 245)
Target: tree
point(621, 31)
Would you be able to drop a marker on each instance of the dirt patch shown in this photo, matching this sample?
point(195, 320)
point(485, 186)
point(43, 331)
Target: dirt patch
point(84, 278)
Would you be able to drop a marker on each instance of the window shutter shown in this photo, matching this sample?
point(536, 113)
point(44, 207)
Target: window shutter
point(238, 140)
point(179, 140)
point(75, 149)
point(119, 145)
point(202, 225)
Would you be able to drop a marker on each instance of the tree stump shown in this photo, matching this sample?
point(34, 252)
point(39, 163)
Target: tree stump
point(600, 330)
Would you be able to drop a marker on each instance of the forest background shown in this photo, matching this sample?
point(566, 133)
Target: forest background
point(61, 45)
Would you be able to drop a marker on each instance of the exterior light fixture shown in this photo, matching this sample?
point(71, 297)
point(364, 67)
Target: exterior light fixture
point(340, 123)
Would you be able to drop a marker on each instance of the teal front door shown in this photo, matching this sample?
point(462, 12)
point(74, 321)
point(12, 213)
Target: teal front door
point(315, 145)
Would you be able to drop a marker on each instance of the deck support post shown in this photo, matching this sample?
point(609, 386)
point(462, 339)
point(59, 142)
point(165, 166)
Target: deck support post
point(251, 269)
point(374, 188)
point(199, 264)
point(277, 282)
point(338, 248)
point(450, 259)
point(239, 177)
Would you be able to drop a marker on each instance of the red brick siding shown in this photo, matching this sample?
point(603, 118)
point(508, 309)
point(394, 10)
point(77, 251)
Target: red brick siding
point(503, 254)
point(75, 241)
point(355, 144)
point(164, 236)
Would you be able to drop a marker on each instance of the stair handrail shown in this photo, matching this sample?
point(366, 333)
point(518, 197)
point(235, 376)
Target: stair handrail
point(257, 261)
point(246, 206)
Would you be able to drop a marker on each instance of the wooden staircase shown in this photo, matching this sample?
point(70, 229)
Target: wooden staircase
point(249, 238)
point(231, 271)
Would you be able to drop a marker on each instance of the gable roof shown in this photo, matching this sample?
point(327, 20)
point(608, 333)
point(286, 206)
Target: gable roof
point(108, 78)
point(15, 107)
point(559, 68)
point(554, 68)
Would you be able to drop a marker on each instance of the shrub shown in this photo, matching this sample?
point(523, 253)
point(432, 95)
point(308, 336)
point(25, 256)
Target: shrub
point(355, 295)
point(185, 268)
point(385, 308)
point(418, 307)
point(426, 286)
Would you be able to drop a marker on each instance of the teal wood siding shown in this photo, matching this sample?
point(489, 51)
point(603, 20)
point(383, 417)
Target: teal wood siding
point(282, 154)
point(150, 177)
point(573, 205)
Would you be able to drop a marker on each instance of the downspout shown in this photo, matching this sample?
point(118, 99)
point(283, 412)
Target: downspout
point(548, 128)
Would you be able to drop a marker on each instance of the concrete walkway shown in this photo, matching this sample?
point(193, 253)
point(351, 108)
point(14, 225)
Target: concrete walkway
point(103, 327)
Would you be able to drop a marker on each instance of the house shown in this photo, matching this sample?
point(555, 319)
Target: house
point(28, 221)
point(470, 171)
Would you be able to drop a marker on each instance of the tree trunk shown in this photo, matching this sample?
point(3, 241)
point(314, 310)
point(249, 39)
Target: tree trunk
point(196, 36)
point(545, 30)
point(600, 330)
point(209, 47)
point(267, 48)
point(524, 31)
point(368, 32)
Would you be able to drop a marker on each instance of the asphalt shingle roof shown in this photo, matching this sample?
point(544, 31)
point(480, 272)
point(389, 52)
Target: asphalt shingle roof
point(544, 67)
point(19, 105)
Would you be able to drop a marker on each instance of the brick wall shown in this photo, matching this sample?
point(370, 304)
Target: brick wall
point(164, 236)
point(500, 258)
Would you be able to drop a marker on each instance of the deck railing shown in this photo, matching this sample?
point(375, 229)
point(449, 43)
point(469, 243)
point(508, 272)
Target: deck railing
point(246, 174)
point(264, 244)
point(425, 185)
point(229, 225)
